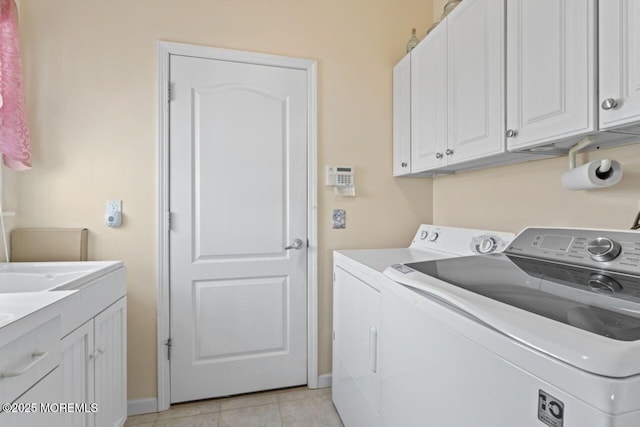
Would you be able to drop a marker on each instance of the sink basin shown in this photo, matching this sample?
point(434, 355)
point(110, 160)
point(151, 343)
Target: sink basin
point(14, 306)
point(5, 317)
point(48, 276)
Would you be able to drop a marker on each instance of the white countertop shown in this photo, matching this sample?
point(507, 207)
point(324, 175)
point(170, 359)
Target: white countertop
point(74, 277)
point(15, 306)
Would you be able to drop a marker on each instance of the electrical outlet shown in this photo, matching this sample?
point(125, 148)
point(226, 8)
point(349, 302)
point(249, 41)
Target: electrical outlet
point(113, 216)
point(114, 205)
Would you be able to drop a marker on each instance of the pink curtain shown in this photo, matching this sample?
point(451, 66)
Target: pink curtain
point(14, 132)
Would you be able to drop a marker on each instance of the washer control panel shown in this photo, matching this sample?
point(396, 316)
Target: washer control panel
point(485, 244)
point(617, 250)
point(460, 241)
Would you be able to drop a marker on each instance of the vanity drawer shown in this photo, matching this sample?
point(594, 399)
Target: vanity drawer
point(28, 358)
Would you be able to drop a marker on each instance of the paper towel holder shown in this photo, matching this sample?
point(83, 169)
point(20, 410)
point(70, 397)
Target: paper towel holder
point(581, 145)
point(604, 171)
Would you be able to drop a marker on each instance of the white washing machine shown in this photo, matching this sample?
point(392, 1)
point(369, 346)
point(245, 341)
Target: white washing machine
point(546, 333)
point(358, 279)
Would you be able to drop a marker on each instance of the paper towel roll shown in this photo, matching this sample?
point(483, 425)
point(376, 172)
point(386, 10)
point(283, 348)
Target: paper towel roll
point(586, 177)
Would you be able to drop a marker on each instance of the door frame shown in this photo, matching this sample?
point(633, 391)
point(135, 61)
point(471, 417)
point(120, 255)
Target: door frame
point(165, 50)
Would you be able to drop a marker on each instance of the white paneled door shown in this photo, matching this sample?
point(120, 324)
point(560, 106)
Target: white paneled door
point(238, 239)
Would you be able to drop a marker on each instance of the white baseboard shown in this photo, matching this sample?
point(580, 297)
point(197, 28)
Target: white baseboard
point(142, 406)
point(324, 380)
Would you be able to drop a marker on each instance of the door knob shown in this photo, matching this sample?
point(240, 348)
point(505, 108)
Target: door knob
point(404, 164)
point(297, 244)
point(438, 155)
point(512, 133)
point(609, 104)
point(448, 152)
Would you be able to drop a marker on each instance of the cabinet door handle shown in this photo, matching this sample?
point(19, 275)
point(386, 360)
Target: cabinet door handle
point(404, 164)
point(512, 133)
point(438, 155)
point(94, 354)
point(448, 152)
point(609, 104)
point(373, 349)
point(36, 357)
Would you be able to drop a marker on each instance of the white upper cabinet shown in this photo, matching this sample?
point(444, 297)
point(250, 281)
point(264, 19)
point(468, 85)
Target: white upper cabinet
point(475, 63)
point(402, 117)
point(429, 101)
point(500, 82)
point(457, 112)
point(457, 88)
point(619, 50)
point(551, 64)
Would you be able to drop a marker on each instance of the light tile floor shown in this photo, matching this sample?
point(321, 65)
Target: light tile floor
point(294, 407)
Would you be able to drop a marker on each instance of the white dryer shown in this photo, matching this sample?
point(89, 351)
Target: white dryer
point(357, 339)
point(545, 334)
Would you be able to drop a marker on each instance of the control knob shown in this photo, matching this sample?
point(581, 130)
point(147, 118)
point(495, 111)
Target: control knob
point(603, 284)
point(487, 245)
point(603, 249)
point(423, 234)
point(433, 237)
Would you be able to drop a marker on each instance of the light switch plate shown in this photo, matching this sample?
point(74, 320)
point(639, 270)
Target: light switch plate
point(339, 218)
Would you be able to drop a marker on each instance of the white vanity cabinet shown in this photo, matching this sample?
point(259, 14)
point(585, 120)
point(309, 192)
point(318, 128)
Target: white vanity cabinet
point(402, 117)
point(46, 391)
point(356, 322)
point(94, 368)
point(29, 370)
point(78, 352)
point(551, 71)
point(110, 328)
point(619, 64)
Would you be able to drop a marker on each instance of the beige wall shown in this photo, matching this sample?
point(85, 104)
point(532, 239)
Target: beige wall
point(438, 6)
point(91, 80)
point(512, 197)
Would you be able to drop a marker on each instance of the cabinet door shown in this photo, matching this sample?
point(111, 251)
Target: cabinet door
point(429, 101)
point(111, 365)
point(475, 37)
point(402, 117)
point(47, 390)
point(619, 42)
point(551, 64)
point(77, 373)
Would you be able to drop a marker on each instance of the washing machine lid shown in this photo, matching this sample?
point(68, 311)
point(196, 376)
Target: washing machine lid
point(602, 303)
point(586, 318)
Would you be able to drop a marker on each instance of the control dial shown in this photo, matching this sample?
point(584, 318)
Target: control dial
point(433, 237)
point(423, 234)
point(487, 245)
point(603, 284)
point(603, 249)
